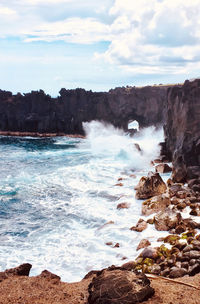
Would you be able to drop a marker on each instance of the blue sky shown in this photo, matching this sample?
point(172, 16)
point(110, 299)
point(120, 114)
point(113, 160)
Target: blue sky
point(97, 45)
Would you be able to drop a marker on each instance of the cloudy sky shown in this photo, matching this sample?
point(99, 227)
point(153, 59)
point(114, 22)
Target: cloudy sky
point(97, 45)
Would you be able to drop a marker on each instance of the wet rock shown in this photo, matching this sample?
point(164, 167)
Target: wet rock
point(140, 226)
point(143, 244)
point(119, 184)
point(150, 253)
point(166, 220)
point(155, 204)
point(123, 206)
point(137, 146)
point(177, 272)
point(149, 186)
point(109, 243)
point(163, 168)
point(117, 245)
point(119, 286)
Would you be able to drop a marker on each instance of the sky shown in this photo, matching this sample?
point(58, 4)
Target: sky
point(97, 45)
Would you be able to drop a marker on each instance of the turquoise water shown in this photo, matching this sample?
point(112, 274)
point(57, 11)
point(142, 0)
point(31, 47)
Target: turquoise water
point(57, 194)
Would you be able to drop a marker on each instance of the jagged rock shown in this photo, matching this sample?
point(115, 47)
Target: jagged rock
point(182, 131)
point(22, 270)
point(119, 286)
point(166, 220)
point(38, 112)
point(143, 243)
point(49, 275)
point(140, 226)
point(163, 168)
point(149, 186)
point(155, 204)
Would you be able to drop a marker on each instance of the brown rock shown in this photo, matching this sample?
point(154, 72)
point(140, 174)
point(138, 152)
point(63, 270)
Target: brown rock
point(49, 275)
point(177, 272)
point(163, 168)
point(123, 206)
point(149, 252)
point(166, 220)
point(149, 186)
point(140, 226)
point(119, 184)
point(143, 243)
point(119, 286)
point(155, 204)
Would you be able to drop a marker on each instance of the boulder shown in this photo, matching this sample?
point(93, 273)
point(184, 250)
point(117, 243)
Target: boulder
point(119, 286)
point(166, 220)
point(140, 226)
point(155, 204)
point(143, 244)
point(149, 186)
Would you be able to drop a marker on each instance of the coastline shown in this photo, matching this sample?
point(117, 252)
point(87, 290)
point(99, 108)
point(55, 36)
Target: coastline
point(37, 134)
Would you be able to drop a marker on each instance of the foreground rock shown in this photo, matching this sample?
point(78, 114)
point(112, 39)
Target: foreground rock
point(149, 186)
point(48, 289)
point(119, 286)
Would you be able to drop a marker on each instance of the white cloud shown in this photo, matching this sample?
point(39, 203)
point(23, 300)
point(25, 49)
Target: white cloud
point(146, 36)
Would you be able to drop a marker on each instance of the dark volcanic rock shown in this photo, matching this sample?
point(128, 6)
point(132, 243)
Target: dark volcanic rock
point(38, 112)
point(119, 286)
point(182, 130)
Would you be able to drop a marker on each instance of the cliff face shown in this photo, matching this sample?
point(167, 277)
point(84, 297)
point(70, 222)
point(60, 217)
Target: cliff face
point(38, 112)
point(182, 130)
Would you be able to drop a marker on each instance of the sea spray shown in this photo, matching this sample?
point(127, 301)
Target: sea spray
point(57, 194)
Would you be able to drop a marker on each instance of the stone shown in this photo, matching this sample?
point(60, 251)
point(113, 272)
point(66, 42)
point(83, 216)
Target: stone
point(177, 272)
point(143, 243)
point(119, 286)
point(155, 204)
point(193, 270)
point(149, 252)
point(149, 186)
point(163, 168)
point(192, 254)
point(166, 220)
point(140, 226)
point(123, 206)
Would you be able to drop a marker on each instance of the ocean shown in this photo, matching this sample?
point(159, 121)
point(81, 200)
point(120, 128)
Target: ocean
point(59, 199)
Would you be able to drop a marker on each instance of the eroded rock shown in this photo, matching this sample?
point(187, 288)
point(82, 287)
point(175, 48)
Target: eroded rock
point(119, 286)
point(149, 186)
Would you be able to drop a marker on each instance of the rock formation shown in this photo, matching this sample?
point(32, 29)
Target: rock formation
point(38, 112)
point(182, 131)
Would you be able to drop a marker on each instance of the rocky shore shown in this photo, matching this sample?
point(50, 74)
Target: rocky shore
point(172, 268)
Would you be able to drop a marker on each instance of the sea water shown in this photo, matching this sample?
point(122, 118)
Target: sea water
point(59, 197)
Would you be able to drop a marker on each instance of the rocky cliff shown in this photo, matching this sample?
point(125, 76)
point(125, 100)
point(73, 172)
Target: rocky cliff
point(182, 131)
point(38, 112)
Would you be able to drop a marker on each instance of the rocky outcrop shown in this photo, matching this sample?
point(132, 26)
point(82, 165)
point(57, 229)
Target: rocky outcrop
point(182, 131)
point(38, 112)
point(119, 286)
point(149, 186)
